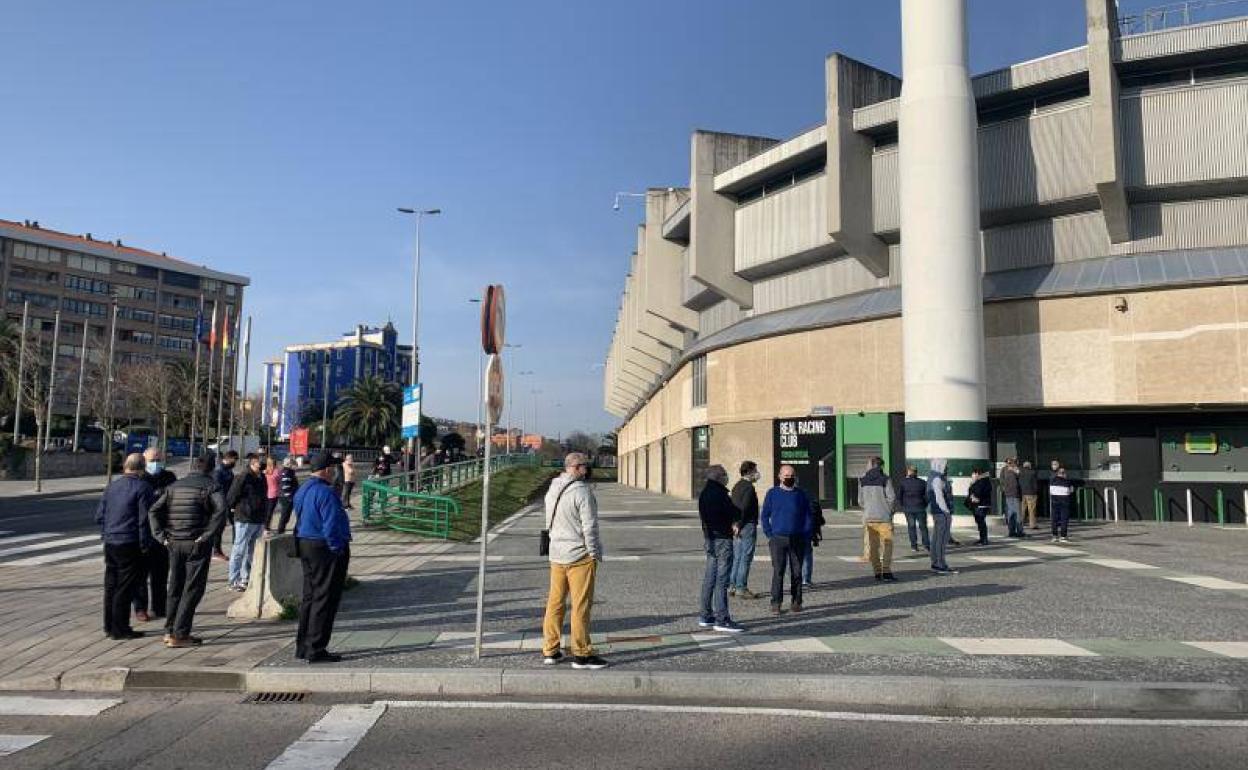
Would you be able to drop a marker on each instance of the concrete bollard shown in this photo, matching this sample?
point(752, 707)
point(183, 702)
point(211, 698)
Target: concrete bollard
point(276, 574)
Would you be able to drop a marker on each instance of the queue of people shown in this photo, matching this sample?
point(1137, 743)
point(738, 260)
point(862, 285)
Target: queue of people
point(161, 533)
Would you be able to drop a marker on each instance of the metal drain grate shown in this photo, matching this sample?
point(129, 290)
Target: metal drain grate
point(277, 697)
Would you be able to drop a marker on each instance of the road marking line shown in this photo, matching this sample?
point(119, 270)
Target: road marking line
point(51, 558)
point(1217, 584)
point(839, 716)
point(1229, 649)
point(331, 739)
point(48, 544)
point(1118, 564)
point(714, 641)
point(1049, 647)
point(783, 644)
point(1052, 550)
point(27, 538)
point(1003, 559)
point(29, 706)
point(465, 557)
point(11, 744)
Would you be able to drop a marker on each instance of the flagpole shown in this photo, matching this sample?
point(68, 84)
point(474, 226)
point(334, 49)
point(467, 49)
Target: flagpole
point(246, 372)
point(47, 427)
point(234, 382)
point(225, 346)
point(199, 343)
point(212, 344)
point(21, 373)
point(82, 373)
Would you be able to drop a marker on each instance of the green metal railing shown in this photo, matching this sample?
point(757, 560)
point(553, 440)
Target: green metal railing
point(403, 503)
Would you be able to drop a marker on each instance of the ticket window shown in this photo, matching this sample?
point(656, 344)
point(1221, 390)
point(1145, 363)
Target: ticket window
point(857, 463)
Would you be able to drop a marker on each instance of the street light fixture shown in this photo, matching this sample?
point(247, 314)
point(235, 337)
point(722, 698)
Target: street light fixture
point(420, 214)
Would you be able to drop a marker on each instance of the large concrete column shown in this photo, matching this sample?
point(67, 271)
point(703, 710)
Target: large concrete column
point(942, 295)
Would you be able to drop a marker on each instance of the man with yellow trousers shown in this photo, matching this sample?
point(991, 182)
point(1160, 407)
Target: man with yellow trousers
point(575, 552)
point(875, 490)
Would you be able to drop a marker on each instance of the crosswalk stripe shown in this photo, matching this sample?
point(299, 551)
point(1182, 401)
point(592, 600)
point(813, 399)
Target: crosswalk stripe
point(48, 544)
point(330, 740)
point(1055, 647)
point(34, 706)
point(52, 558)
point(1217, 584)
point(27, 538)
point(11, 744)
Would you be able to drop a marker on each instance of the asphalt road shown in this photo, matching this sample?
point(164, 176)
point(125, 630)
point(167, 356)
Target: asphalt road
point(220, 730)
point(71, 513)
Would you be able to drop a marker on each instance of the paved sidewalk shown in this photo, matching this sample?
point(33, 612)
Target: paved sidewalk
point(74, 485)
point(1122, 603)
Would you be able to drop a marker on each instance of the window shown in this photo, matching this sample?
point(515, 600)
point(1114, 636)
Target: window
point(175, 343)
point(1063, 445)
point(782, 181)
point(88, 285)
point(34, 276)
point(699, 381)
point(36, 253)
point(180, 301)
point(210, 285)
point(88, 263)
point(137, 337)
point(230, 290)
point(183, 280)
point(134, 292)
point(34, 298)
point(139, 271)
point(134, 314)
point(82, 307)
point(177, 323)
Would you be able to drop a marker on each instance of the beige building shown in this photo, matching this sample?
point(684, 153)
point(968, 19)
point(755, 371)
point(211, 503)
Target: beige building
point(761, 317)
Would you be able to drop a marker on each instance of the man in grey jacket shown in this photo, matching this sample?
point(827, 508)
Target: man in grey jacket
point(875, 490)
point(575, 551)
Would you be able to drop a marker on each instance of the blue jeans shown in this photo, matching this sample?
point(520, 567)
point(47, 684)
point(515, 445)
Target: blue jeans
point(715, 580)
point(743, 556)
point(940, 539)
point(1012, 521)
point(245, 537)
point(916, 523)
point(808, 565)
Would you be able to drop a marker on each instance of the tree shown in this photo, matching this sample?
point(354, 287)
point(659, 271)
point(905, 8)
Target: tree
point(368, 413)
point(453, 442)
point(580, 441)
point(160, 390)
point(10, 344)
point(32, 388)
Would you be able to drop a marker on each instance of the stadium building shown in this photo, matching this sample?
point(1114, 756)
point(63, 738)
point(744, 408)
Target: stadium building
point(1101, 194)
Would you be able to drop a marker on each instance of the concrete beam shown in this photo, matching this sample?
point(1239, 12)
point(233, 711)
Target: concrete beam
point(712, 222)
point(1107, 156)
point(849, 200)
point(664, 270)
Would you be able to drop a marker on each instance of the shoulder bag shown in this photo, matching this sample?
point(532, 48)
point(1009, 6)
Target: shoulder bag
point(543, 548)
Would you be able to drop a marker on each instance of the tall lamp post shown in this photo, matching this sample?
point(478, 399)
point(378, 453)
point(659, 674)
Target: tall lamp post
point(420, 214)
point(511, 403)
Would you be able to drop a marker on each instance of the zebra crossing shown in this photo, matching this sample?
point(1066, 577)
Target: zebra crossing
point(40, 548)
point(33, 706)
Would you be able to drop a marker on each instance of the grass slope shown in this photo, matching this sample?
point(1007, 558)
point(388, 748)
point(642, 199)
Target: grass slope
point(510, 490)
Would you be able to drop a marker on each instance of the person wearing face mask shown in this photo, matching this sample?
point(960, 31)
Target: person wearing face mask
point(149, 592)
point(247, 498)
point(745, 498)
point(786, 520)
point(224, 477)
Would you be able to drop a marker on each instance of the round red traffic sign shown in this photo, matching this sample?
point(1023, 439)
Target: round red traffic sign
point(493, 320)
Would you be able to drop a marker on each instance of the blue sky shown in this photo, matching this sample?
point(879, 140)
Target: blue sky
point(276, 139)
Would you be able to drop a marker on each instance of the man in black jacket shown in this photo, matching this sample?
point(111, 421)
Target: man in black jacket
point(185, 518)
point(912, 500)
point(720, 522)
point(248, 497)
point(156, 560)
point(122, 516)
point(745, 498)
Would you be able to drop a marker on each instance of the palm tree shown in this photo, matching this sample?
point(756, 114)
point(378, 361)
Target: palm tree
point(368, 413)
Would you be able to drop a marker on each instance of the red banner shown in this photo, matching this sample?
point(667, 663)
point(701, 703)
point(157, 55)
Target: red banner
point(299, 441)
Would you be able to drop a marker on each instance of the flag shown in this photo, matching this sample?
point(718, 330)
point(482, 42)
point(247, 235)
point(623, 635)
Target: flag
point(225, 332)
point(212, 329)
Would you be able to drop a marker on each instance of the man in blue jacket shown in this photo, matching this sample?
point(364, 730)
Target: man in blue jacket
point(122, 516)
point(323, 534)
point(787, 522)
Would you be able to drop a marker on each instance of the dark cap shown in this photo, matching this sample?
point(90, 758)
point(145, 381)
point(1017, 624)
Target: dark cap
point(324, 460)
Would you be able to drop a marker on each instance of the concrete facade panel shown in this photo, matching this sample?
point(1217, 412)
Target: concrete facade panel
point(679, 465)
point(734, 442)
point(788, 223)
point(1190, 134)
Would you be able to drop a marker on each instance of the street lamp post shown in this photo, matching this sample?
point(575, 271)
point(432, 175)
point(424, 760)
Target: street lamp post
point(512, 402)
point(420, 214)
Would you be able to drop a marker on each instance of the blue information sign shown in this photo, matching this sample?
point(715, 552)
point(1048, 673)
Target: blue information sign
point(411, 410)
